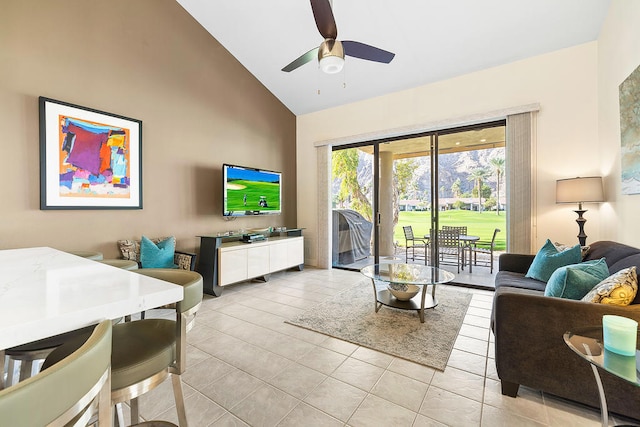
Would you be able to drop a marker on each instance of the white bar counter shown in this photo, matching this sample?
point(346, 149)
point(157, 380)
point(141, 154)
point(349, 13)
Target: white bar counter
point(45, 292)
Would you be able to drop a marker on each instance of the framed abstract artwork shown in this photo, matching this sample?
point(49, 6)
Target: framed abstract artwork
point(630, 132)
point(89, 159)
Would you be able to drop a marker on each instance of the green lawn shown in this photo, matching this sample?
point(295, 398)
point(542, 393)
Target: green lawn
point(253, 190)
point(478, 224)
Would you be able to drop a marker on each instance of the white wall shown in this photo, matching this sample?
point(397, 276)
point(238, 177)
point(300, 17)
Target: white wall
point(564, 83)
point(619, 55)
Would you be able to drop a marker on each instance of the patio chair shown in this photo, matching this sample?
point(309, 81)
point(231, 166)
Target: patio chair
point(412, 243)
point(449, 249)
point(485, 248)
point(462, 229)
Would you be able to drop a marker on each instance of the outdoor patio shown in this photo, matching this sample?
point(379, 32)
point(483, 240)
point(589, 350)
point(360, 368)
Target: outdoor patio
point(479, 278)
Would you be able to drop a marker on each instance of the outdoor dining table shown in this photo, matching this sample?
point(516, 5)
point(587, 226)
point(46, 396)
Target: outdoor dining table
point(46, 292)
point(466, 241)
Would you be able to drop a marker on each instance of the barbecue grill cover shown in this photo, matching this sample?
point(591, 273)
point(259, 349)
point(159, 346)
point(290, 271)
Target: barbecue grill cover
point(351, 237)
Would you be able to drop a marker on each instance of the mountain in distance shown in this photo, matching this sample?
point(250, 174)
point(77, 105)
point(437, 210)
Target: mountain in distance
point(451, 166)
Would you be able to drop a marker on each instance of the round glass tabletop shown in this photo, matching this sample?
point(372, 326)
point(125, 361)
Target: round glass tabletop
point(411, 274)
point(587, 342)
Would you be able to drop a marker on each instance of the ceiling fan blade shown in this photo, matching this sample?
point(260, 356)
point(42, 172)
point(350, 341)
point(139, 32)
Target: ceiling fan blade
point(364, 51)
point(324, 18)
point(307, 57)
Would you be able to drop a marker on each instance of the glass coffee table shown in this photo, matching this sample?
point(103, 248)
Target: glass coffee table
point(588, 344)
point(404, 286)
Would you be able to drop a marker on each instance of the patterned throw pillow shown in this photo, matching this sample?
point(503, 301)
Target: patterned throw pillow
point(618, 289)
point(562, 247)
point(548, 260)
point(130, 249)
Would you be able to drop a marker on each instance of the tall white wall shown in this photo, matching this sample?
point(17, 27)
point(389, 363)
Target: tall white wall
point(564, 83)
point(618, 56)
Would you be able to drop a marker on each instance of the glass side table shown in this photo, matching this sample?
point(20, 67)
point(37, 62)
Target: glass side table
point(406, 274)
point(588, 344)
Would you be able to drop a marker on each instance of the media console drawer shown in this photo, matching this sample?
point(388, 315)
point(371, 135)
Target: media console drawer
point(238, 261)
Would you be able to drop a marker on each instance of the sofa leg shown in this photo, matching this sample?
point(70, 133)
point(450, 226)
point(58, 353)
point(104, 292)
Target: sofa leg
point(509, 389)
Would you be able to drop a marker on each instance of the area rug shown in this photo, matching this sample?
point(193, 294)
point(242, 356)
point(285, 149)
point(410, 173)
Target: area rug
point(350, 316)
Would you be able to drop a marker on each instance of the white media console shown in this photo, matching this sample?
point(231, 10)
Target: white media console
point(226, 259)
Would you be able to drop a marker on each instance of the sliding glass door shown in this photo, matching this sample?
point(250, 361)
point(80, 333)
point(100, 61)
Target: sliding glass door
point(389, 194)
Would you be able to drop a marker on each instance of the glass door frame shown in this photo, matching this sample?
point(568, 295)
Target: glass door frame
point(433, 150)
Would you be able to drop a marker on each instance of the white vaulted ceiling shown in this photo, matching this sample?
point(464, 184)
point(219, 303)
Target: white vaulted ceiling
point(433, 40)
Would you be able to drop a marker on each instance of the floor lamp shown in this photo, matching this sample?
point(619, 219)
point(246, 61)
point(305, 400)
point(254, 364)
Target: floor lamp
point(580, 190)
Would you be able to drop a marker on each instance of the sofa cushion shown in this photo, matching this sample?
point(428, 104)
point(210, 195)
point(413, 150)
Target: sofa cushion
point(517, 280)
point(549, 259)
point(618, 289)
point(612, 251)
point(157, 255)
point(576, 280)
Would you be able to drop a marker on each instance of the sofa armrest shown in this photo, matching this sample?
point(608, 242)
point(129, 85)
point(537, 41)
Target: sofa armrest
point(517, 263)
point(529, 345)
point(185, 260)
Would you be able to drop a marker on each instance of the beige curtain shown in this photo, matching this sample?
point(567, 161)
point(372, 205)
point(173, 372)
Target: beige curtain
point(519, 182)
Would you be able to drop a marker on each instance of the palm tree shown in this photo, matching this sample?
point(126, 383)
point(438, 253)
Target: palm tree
point(497, 163)
point(478, 176)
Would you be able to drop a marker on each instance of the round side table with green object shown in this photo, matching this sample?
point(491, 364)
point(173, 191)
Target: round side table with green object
point(588, 344)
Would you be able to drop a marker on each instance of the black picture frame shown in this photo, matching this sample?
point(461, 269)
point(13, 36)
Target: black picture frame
point(89, 159)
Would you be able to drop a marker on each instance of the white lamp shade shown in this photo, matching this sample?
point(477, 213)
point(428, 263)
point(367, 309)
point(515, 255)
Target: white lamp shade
point(331, 64)
point(580, 190)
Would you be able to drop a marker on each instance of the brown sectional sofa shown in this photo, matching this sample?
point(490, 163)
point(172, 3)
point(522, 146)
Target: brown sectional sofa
point(529, 328)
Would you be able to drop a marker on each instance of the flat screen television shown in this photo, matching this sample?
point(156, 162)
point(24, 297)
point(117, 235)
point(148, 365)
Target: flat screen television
point(250, 191)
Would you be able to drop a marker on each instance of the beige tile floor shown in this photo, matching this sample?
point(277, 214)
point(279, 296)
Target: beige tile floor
point(247, 367)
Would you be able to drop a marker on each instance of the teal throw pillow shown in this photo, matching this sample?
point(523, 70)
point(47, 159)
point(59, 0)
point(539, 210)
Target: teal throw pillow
point(576, 280)
point(158, 255)
point(549, 259)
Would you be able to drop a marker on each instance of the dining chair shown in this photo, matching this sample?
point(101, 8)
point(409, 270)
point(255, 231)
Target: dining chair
point(449, 249)
point(69, 392)
point(412, 243)
point(485, 247)
point(462, 229)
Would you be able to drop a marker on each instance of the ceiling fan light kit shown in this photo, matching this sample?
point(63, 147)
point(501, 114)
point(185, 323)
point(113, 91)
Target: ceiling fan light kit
point(331, 56)
point(331, 52)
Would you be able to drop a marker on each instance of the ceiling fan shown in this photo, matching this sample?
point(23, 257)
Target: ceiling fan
point(331, 52)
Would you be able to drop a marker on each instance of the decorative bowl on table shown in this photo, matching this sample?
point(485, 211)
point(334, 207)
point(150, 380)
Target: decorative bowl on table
point(403, 291)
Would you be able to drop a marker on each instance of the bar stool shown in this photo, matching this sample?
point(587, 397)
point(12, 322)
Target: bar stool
point(125, 264)
point(96, 256)
point(145, 352)
point(31, 352)
point(67, 392)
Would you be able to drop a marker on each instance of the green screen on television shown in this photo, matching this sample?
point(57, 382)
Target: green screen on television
point(249, 191)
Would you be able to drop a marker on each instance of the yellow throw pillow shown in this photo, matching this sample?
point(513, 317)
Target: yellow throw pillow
point(618, 289)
